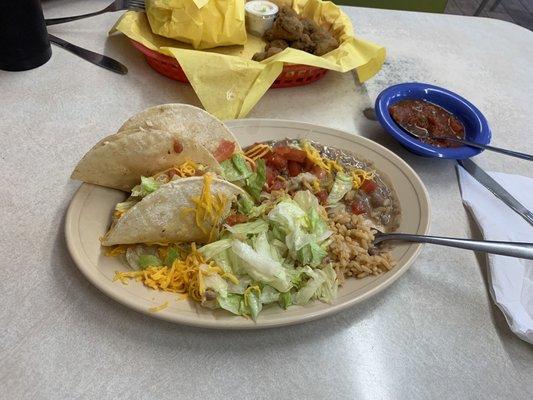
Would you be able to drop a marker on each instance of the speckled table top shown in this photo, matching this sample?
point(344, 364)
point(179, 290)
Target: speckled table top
point(434, 334)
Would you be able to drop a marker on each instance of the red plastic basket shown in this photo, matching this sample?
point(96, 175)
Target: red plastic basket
point(291, 75)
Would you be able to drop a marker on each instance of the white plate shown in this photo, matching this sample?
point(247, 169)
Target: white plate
point(90, 210)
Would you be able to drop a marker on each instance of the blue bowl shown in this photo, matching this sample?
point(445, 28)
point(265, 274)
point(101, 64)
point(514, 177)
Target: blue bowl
point(476, 125)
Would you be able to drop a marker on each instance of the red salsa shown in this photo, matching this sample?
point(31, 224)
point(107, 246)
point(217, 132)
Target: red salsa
point(436, 120)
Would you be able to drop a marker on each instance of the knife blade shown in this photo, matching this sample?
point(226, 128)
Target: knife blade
point(95, 58)
point(496, 189)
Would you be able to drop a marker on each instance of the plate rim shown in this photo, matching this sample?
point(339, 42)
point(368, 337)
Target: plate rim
point(75, 206)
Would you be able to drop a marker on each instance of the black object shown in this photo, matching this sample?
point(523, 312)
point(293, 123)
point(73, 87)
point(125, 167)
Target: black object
point(24, 40)
point(95, 58)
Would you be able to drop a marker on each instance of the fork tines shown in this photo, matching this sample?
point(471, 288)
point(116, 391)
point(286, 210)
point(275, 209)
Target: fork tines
point(135, 4)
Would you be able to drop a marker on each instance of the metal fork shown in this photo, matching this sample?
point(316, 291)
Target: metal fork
point(117, 5)
point(511, 249)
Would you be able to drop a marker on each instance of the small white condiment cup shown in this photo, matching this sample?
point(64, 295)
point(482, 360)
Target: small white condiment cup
point(260, 16)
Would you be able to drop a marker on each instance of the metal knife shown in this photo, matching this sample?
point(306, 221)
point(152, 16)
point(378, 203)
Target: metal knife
point(95, 58)
point(496, 189)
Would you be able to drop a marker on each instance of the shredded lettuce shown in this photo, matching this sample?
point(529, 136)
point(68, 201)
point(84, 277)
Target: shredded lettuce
point(252, 301)
point(239, 288)
point(217, 284)
point(147, 186)
point(232, 303)
point(133, 253)
point(245, 204)
point(236, 168)
point(322, 284)
point(248, 228)
point(342, 185)
point(287, 216)
point(172, 254)
point(218, 252)
point(285, 300)
point(328, 290)
point(275, 258)
point(306, 200)
point(149, 260)
point(311, 287)
point(126, 205)
point(299, 225)
point(212, 249)
point(261, 266)
point(256, 181)
point(269, 295)
point(262, 245)
point(311, 254)
point(237, 171)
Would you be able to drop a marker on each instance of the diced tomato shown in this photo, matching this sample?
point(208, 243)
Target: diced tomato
point(224, 150)
point(282, 150)
point(318, 172)
point(308, 165)
point(177, 146)
point(290, 153)
point(357, 208)
point(267, 156)
point(270, 175)
point(294, 168)
point(235, 219)
point(277, 185)
point(277, 161)
point(369, 186)
point(296, 155)
point(322, 196)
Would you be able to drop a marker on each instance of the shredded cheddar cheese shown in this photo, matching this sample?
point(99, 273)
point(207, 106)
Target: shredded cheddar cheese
point(209, 209)
point(334, 166)
point(116, 250)
point(316, 186)
point(185, 276)
point(250, 161)
point(314, 155)
point(258, 151)
point(159, 308)
point(230, 277)
point(185, 170)
point(118, 214)
point(359, 176)
point(188, 168)
point(251, 289)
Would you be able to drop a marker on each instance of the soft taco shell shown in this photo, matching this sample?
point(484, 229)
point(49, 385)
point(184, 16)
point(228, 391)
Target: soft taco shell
point(165, 216)
point(189, 121)
point(118, 161)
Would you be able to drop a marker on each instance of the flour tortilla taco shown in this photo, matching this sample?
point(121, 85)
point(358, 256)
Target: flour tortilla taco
point(118, 161)
point(188, 120)
point(183, 210)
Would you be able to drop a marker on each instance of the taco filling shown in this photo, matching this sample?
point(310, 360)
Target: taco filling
point(151, 184)
point(303, 222)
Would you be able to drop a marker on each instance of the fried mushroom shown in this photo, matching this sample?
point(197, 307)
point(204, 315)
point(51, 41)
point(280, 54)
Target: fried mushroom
point(324, 42)
point(292, 30)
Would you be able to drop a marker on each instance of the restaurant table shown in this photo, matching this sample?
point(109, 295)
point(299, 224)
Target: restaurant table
point(435, 333)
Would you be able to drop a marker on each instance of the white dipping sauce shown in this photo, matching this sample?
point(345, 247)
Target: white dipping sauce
point(260, 16)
